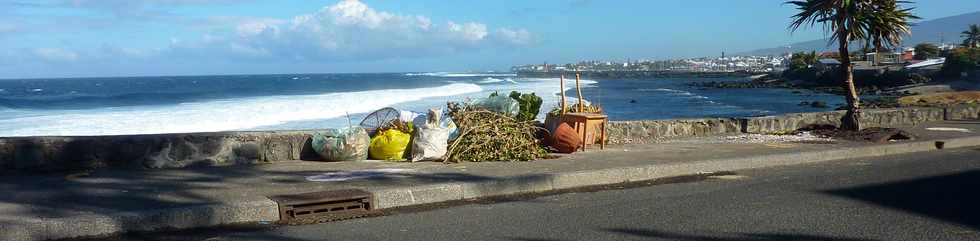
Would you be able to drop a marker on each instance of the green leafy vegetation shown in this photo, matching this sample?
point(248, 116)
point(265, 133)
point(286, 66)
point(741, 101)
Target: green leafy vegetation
point(971, 37)
point(961, 60)
point(491, 136)
point(530, 105)
point(926, 51)
point(803, 60)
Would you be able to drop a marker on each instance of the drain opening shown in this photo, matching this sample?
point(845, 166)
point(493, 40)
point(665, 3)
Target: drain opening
point(324, 206)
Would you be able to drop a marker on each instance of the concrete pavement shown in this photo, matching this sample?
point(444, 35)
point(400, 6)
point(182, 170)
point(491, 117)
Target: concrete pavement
point(918, 196)
point(111, 201)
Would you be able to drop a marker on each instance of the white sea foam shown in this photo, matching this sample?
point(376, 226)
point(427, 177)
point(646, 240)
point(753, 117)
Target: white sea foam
point(686, 94)
point(268, 112)
point(490, 80)
point(219, 115)
point(452, 74)
point(477, 75)
point(549, 91)
point(546, 88)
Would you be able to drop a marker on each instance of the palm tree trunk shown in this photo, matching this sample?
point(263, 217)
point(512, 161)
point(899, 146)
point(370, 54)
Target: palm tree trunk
point(877, 51)
point(851, 120)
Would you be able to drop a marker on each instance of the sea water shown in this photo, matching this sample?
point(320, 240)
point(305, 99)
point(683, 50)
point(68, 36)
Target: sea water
point(147, 105)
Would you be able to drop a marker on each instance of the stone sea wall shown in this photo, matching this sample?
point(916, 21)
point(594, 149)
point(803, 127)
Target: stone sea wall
point(642, 131)
point(45, 154)
point(963, 112)
point(648, 131)
point(153, 151)
point(869, 118)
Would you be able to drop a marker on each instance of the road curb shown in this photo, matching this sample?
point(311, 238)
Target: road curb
point(435, 193)
point(260, 209)
point(89, 225)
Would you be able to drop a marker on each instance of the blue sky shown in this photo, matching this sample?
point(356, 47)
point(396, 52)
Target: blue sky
point(85, 38)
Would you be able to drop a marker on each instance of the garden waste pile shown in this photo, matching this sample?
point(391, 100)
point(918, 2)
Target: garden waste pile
point(495, 128)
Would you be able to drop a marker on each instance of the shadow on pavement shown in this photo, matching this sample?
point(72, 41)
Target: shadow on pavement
point(951, 198)
point(534, 239)
point(241, 233)
point(962, 122)
point(650, 233)
point(122, 190)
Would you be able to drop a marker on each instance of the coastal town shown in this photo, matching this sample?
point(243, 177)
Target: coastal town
point(898, 58)
point(753, 64)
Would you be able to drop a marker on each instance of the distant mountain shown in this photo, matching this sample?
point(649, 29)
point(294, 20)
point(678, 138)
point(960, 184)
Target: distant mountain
point(948, 28)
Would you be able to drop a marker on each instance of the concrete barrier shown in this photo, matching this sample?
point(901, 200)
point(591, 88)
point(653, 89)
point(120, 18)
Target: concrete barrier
point(870, 118)
point(963, 112)
point(227, 148)
point(153, 151)
point(789, 122)
point(646, 131)
point(643, 131)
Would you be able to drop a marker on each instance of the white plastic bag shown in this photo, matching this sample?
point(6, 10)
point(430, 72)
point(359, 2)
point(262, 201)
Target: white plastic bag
point(430, 144)
point(431, 139)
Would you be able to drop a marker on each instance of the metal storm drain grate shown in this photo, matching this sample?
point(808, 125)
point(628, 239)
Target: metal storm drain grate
point(325, 206)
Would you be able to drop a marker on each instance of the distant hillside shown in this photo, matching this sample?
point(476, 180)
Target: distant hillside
point(925, 31)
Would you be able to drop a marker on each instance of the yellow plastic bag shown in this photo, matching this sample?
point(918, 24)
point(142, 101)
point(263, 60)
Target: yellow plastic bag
point(389, 145)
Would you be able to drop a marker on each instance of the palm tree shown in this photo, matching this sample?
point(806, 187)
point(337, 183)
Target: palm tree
point(887, 25)
point(853, 20)
point(842, 19)
point(971, 37)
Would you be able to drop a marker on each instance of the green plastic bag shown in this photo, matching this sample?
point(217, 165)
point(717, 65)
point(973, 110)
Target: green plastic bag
point(389, 145)
point(500, 104)
point(347, 144)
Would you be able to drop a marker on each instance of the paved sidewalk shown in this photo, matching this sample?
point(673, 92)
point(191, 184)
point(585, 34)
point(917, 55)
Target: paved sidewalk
point(110, 201)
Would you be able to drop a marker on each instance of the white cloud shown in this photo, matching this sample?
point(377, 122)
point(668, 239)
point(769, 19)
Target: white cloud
point(348, 30)
point(469, 31)
point(351, 30)
point(56, 54)
point(518, 36)
point(353, 12)
point(248, 50)
point(251, 27)
point(113, 51)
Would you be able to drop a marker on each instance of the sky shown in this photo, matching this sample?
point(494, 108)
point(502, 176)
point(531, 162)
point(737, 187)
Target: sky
point(97, 38)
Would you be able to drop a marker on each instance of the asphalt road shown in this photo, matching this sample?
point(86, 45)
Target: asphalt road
point(926, 196)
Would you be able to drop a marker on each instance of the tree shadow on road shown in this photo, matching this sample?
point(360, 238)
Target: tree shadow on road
point(231, 233)
point(951, 198)
point(657, 234)
point(126, 190)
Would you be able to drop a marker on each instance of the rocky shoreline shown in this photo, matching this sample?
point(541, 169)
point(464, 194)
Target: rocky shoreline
point(633, 74)
point(873, 96)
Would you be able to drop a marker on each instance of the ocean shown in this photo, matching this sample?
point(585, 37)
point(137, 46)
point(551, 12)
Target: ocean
point(149, 105)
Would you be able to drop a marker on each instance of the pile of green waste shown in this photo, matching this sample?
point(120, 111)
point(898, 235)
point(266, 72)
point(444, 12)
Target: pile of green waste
point(486, 135)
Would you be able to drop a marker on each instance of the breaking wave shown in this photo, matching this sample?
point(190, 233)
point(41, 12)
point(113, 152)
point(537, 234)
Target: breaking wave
point(218, 115)
point(451, 74)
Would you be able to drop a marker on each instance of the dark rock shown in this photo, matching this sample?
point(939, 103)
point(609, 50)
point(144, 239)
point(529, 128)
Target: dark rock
point(818, 104)
point(881, 135)
point(632, 101)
